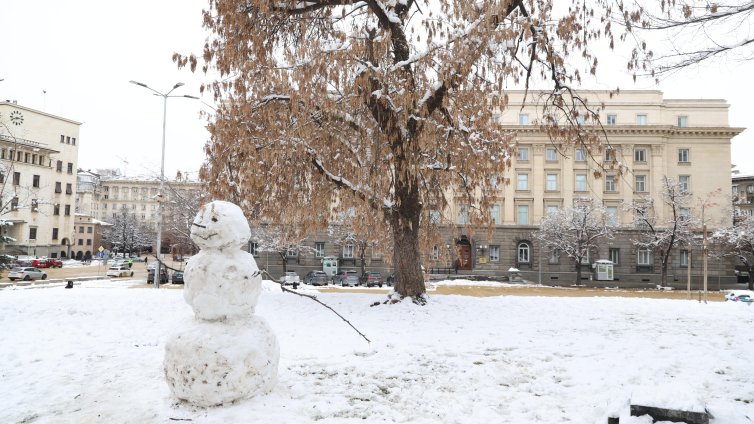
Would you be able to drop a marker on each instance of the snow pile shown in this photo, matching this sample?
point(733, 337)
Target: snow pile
point(95, 355)
point(227, 353)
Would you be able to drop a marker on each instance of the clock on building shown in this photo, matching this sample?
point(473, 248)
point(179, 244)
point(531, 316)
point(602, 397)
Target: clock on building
point(16, 117)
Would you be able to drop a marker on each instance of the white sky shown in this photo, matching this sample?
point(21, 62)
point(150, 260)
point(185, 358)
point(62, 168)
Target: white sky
point(83, 53)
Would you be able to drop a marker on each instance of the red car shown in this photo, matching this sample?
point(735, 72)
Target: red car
point(47, 263)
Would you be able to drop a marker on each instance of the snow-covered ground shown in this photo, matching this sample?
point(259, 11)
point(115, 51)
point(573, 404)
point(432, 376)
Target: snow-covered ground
point(94, 354)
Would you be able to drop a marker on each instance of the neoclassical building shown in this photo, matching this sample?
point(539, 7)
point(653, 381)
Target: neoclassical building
point(38, 156)
point(649, 136)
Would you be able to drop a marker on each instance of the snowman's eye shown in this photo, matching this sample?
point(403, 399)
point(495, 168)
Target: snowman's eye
point(214, 219)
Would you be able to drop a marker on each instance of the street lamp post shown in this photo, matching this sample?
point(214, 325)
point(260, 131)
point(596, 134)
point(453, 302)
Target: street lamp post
point(160, 194)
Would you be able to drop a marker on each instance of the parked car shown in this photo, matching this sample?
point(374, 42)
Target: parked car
point(371, 279)
point(46, 263)
point(177, 277)
point(740, 296)
point(119, 271)
point(290, 278)
point(346, 278)
point(163, 276)
point(317, 278)
point(26, 274)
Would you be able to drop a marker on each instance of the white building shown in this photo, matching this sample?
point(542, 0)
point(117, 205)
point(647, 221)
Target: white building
point(38, 156)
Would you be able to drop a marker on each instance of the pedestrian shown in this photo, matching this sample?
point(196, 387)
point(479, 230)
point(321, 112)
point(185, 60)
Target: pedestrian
point(130, 263)
point(69, 285)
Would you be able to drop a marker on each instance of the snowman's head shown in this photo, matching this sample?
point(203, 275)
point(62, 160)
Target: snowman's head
point(220, 224)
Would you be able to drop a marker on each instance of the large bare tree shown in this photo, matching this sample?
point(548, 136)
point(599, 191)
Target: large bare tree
point(738, 241)
point(380, 104)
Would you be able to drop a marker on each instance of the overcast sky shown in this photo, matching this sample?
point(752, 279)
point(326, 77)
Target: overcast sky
point(82, 53)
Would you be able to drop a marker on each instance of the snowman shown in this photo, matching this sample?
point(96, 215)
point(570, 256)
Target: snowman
point(227, 353)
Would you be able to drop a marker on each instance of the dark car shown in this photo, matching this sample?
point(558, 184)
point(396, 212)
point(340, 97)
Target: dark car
point(177, 277)
point(163, 276)
point(316, 278)
point(346, 278)
point(371, 278)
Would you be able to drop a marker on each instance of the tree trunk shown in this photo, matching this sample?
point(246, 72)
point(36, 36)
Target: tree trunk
point(664, 269)
point(578, 271)
point(409, 280)
point(751, 279)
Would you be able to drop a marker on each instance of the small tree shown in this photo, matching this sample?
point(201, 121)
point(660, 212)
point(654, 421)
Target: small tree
point(284, 240)
point(127, 234)
point(738, 241)
point(364, 232)
point(575, 231)
point(661, 235)
point(180, 210)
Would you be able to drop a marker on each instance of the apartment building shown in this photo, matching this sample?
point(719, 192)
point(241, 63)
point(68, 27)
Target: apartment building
point(87, 237)
point(38, 156)
point(743, 195)
point(650, 136)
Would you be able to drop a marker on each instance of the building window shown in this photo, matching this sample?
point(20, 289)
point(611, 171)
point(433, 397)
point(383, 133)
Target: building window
point(612, 119)
point(434, 216)
point(348, 251)
point(35, 181)
point(81, 230)
point(68, 139)
point(70, 168)
point(495, 214)
point(552, 182)
point(612, 215)
point(580, 156)
point(551, 154)
point(609, 154)
point(54, 233)
point(67, 210)
point(58, 187)
point(614, 255)
point(522, 153)
point(463, 214)
point(523, 119)
point(14, 204)
point(73, 140)
point(56, 209)
point(641, 119)
point(640, 185)
point(580, 182)
point(69, 188)
point(16, 178)
point(554, 256)
point(683, 155)
point(435, 253)
point(59, 166)
point(683, 182)
point(640, 155)
point(684, 258)
point(62, 138)
point(81, 242)
point(494, 253)
point(644, 257)
point(684, 213)
point(522, 182)
point(88, 242)
point(32, 233)
point(522, 214)
point(523, 253)
point(34, 205)
point(291, 252)
point(551, 210)
point(254, 248)
point(683, 121)
point(319, 249)
point(610, 183)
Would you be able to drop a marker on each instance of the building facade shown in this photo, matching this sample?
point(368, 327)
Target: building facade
point(649, 136)
point(743, 195)
point(38, 156)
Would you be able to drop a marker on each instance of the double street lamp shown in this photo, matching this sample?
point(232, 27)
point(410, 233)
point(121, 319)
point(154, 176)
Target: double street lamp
point(160, 194)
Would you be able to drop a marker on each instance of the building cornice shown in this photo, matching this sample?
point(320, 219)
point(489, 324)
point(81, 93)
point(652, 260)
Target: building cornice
point(661, 130)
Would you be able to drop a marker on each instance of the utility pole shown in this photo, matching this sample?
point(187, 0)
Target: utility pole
point(688, 273)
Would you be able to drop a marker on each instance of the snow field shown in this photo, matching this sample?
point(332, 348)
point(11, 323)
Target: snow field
point(95, 355)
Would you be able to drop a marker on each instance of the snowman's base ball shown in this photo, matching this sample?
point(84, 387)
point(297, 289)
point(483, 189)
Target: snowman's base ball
point(209, 364)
